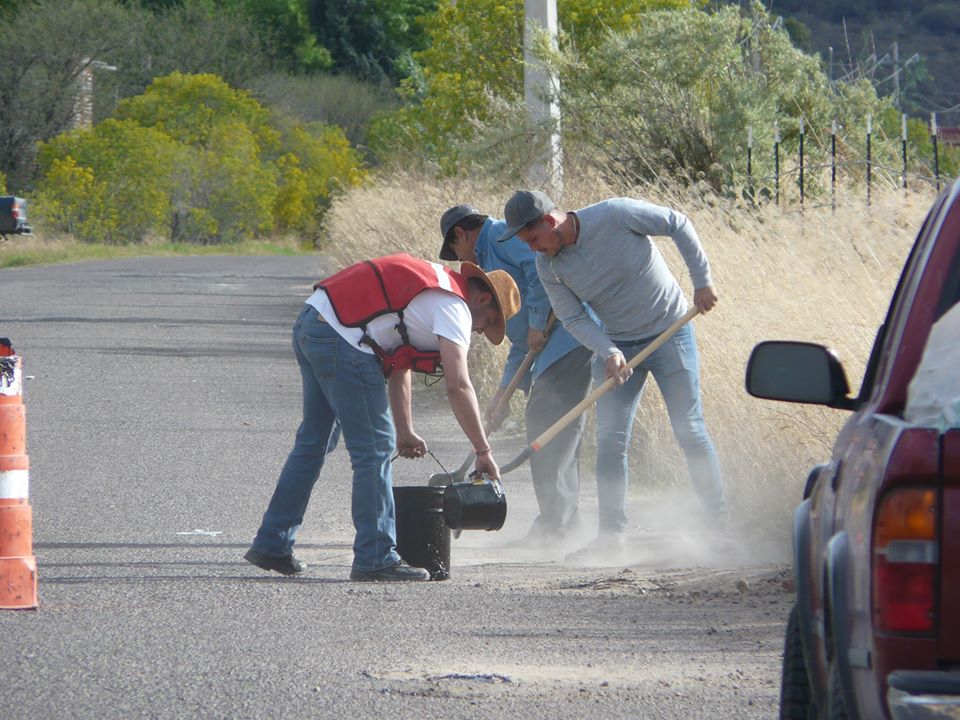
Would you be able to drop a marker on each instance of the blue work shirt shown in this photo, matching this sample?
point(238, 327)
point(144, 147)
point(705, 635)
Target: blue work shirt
point(516, 258)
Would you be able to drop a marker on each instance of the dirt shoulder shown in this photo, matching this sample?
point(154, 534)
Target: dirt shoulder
point(679, 627)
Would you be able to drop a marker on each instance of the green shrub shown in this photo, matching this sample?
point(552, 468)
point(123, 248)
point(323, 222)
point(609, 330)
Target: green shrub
point(292, 206)
point(191, 108)
point(233, 187)
point(634, 106)
point(476, 53)
point(195, 160)
point(113, 183)
point(330, 99)
point(328, 164)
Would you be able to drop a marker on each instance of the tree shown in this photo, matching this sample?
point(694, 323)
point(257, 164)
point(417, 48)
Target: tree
point(648, 110)
point(191, 108)
point(194, 38)
point(371, 39)
point(113, 183)
point(475, 54)
point(940, 18)
point(292, 44)
point(193, 159)
point(45, 46)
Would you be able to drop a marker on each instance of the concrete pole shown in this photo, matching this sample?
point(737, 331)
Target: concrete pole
point(83, 100)
point(538, 84)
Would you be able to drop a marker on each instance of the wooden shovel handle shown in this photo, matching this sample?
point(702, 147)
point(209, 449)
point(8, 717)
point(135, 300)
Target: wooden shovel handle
point(551, 432)
point(522, 370)
point(511, 388)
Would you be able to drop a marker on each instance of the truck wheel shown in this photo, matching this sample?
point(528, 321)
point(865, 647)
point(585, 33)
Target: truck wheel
point(796, 701)
point(836, 706)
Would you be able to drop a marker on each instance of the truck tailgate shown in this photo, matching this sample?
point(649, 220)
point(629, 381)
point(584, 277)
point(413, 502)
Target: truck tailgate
point(948, 646)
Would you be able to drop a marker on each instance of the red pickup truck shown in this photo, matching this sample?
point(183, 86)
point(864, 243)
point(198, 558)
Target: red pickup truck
point(875, 630)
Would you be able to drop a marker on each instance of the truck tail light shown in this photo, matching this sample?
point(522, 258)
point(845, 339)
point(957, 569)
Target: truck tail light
point(905, 561)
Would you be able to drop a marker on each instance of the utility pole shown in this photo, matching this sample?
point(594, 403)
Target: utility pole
point(539, 87)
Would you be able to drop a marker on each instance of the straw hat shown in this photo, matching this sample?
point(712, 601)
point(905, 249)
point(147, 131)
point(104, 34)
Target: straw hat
point(505, 294)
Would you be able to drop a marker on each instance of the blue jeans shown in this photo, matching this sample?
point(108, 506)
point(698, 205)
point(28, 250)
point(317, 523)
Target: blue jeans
point(556, 468)
point(343, 390)
point(675, 366)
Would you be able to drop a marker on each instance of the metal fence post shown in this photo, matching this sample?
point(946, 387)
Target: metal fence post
point(801, 161)
point(936, 154)
point(833, 165)
point(903, 146)
point(750, 162)
point(869, 160)
point(776, 165)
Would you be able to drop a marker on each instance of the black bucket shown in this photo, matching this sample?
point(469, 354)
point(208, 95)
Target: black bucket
point(478, 504)
point(423, 539)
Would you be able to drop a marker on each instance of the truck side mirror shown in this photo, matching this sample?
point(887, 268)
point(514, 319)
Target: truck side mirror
point(797, 372)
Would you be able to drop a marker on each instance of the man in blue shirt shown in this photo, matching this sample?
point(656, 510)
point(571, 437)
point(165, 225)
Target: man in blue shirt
point(559, 379)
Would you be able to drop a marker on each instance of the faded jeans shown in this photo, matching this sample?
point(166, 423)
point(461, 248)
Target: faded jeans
point(676, 368)
point(556, 467)
point(343, 390)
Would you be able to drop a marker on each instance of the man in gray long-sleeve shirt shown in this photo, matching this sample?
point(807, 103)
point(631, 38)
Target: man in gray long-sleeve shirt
point(602, 255)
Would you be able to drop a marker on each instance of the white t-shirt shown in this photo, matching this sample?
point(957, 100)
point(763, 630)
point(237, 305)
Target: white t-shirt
point(431, 313)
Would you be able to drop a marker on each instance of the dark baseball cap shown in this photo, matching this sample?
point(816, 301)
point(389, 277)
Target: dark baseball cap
point(447, 221)
point(524, 207)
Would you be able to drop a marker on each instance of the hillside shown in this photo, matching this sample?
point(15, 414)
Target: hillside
point(862, 34)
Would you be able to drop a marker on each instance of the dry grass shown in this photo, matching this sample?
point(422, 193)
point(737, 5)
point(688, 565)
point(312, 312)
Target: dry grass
point(808, 275)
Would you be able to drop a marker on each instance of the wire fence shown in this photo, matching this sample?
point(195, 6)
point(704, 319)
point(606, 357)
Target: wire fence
point(912, 168)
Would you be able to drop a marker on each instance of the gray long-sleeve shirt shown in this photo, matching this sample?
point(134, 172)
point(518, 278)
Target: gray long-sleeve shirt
point(618, 271)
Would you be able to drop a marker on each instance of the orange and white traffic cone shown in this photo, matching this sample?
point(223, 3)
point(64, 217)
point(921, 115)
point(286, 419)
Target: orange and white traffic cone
point(18, 566)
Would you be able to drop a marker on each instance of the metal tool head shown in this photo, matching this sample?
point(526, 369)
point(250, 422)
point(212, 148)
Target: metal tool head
point(440, 479)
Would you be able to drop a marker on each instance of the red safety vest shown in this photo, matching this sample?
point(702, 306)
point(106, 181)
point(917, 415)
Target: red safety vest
point(372, 288)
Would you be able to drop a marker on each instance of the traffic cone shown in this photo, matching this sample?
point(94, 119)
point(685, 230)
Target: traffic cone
point(18, 566)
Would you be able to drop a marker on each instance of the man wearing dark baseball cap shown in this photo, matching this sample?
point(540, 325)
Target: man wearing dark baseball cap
point(464, 216)
point(603, 257)
point(524, 207)
point(559, 379)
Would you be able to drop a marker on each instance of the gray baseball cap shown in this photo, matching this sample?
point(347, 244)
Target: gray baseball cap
point(523, 207)
point(450, 218)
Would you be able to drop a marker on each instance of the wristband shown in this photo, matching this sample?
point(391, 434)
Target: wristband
point(478, 453)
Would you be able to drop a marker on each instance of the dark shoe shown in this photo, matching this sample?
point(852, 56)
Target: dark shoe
point(401, 572)
point(607, 550)
point(285, 565)
point(539, 538)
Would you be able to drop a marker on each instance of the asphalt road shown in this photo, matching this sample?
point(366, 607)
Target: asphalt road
point(162, 397)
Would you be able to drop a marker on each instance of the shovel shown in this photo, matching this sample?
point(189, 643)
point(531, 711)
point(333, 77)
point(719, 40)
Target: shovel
point(445, 478)
point(551, 432)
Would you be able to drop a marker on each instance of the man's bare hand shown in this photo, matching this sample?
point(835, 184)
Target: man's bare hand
point(486, 464)
point(536, 339)
point(617, 368)
point(705, 298)
point(411, 445)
